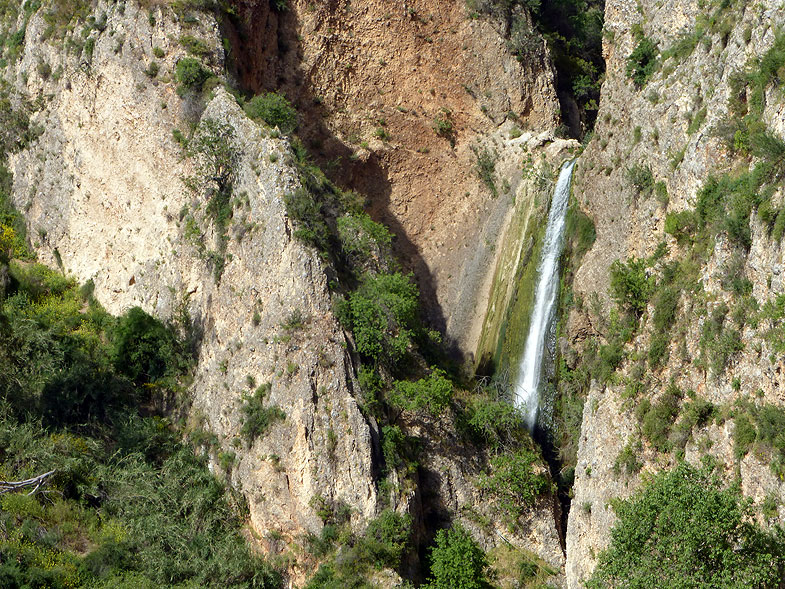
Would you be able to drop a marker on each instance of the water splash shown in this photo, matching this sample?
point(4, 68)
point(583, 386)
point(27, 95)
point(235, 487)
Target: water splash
point(530, 368)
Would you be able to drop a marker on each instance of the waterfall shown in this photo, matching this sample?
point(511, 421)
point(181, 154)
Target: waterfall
point(530, 367)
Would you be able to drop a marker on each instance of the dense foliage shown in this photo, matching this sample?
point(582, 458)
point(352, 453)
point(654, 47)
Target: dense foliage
point(274, 110)
point(514, 481)
point(351, 559)
point(191, 75)
point(684, 530)
point(642, 62)
point(457, 562)
point(129, 504)
point(384, 316)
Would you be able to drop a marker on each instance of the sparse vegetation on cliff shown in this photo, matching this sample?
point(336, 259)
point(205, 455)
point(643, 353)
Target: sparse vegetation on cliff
point(642, 62)
point(573, 30)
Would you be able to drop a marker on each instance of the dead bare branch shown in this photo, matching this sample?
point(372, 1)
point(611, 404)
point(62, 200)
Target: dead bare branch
point(36, 482)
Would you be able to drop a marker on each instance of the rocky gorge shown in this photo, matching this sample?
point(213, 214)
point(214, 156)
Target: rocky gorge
point(346, 201)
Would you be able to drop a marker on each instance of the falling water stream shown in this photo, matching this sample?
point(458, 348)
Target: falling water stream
point(527, 395)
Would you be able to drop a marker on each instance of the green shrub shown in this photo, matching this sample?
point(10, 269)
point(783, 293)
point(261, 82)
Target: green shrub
point(681, 225)
point(432, 393)
point(496, 423)
point(194, 46)
point(658, 349)
point(630, 285)
point(443, 125)
point(697, 121)
point(143, 348)
point(642, 179)
point(657, 419)
point(398, 449)
point(515, 483)
point(486, 168)
point(661, 192)
point(642, 62)
point(704, 533)
point(666, 302)
point(274, 110)
point(457, 561)
point(256, 417)
point(627, 460)
point(388, 537)
point(361, 237)
point(303, 208)
point(191, 75)
point(763, 425)
point(383, 313)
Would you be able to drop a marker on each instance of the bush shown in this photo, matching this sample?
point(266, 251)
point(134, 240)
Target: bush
point(514, 483)
point(658, 349)
point(457, 562)
point(361, 237)
point(642, 180)
point(704, 533)
point(256, 417)
point(486, 168)
point(143, 348)
point(642, 62)
point(274, 110)
point(383, 314)
point(443, 125)
point(681, 225)
point(303, 208)
point(497, 423)
point(432, 393)
point(398, 449)
point(191, 75)
point(657, 419)
point(665, 304)
point(194, 46)
point(627, 460)
point(630, 285)
point(388, 537)
point(763, 425)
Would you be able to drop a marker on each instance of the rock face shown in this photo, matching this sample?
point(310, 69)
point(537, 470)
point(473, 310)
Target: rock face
point(104, 196)
point(654, 127)
point(371, 79)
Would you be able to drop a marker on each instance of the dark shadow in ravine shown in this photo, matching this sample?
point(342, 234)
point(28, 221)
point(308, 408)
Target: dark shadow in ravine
point(267, 56)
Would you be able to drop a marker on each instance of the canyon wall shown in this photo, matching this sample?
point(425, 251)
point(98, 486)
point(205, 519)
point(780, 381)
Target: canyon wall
point(675, 125)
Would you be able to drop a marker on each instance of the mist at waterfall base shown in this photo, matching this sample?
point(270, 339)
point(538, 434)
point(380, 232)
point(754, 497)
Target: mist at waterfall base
point(530, 368)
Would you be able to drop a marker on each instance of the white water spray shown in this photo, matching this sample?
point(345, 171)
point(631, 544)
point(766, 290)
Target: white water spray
point(530, 368)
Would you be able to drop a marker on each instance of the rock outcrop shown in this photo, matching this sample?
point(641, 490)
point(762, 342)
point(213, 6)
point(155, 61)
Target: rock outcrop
point(104, 197)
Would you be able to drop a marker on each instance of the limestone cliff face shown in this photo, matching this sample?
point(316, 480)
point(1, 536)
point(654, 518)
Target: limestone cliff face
point(370, 79)
point(103, 193)
point(653, 127)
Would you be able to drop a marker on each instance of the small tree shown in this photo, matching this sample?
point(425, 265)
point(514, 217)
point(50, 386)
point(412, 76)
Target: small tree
point(383, 314)
point(274, 110)
point(630, 285)
point(684, 530)
point(457, 562)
